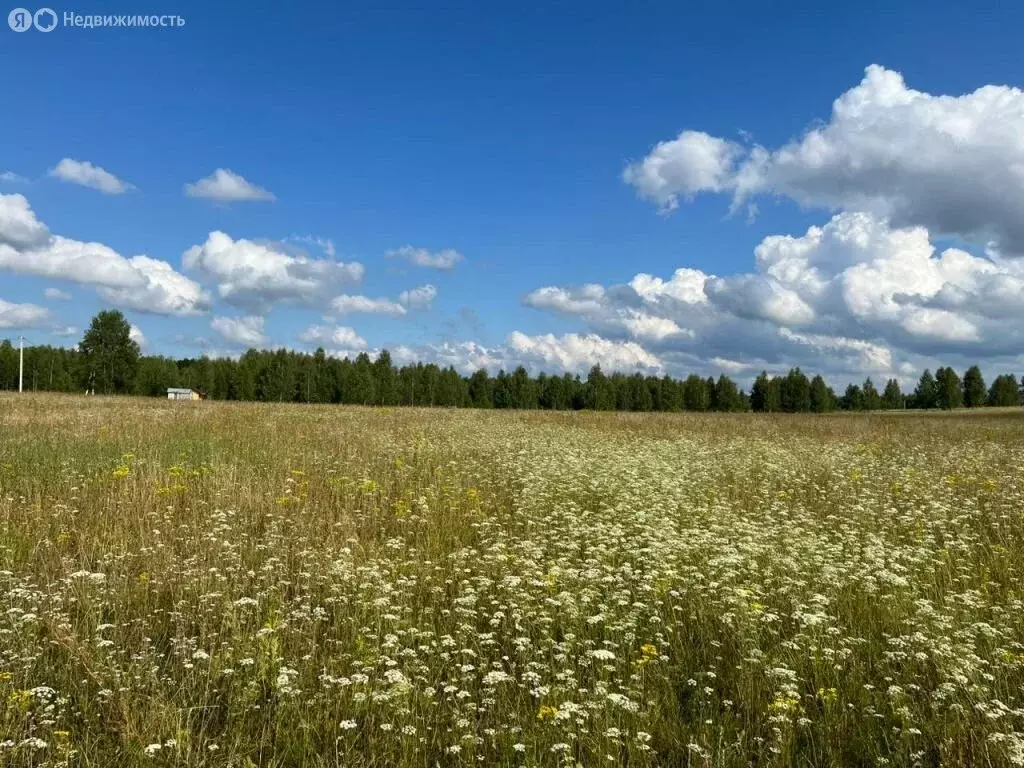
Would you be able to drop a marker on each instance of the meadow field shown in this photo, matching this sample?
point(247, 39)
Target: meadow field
point(217, 584)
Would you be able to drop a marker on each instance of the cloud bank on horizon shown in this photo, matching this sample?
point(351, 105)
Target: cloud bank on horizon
point(876, 288)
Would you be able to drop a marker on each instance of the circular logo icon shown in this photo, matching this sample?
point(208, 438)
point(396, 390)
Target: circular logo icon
point(20, 20)
point(45, 20)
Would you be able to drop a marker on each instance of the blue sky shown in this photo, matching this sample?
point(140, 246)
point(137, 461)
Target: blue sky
point(503, 133)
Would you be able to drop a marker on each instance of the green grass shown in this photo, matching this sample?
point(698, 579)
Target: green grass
point(240, 584)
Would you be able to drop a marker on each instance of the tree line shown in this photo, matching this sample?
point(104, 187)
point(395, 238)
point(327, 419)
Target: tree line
point(108, 361)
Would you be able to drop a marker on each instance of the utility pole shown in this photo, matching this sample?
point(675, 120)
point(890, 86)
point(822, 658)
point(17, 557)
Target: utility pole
point(21, 362)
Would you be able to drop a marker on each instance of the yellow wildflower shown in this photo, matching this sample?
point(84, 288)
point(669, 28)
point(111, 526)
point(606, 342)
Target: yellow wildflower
point(547, 712)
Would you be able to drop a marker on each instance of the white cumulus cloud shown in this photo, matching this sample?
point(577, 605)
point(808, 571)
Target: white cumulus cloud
point(856, 296)
point(756, 297)
point(19, 227)
point(641, 325)
point(257, 275)
point(140, 282)
point(691, 163)
point(334, 338)
point(686, 287)
point(226, 186)
point(464, 356)
point(852, 354)
point(576, 301)
point(86, 174)
point(22, 315)
point(951, 163)
point(418, 298)
point(137, 336)
point(421, 257)
point(571, 352)
point(242, 331)
point(348, 305)
point(579, 352)
point(612, 311)
point(56, 294)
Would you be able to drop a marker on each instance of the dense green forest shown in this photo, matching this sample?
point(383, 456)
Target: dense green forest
point(107, 361)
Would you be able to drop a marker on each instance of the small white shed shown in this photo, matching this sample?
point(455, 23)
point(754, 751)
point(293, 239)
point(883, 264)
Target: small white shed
point(178, 393)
